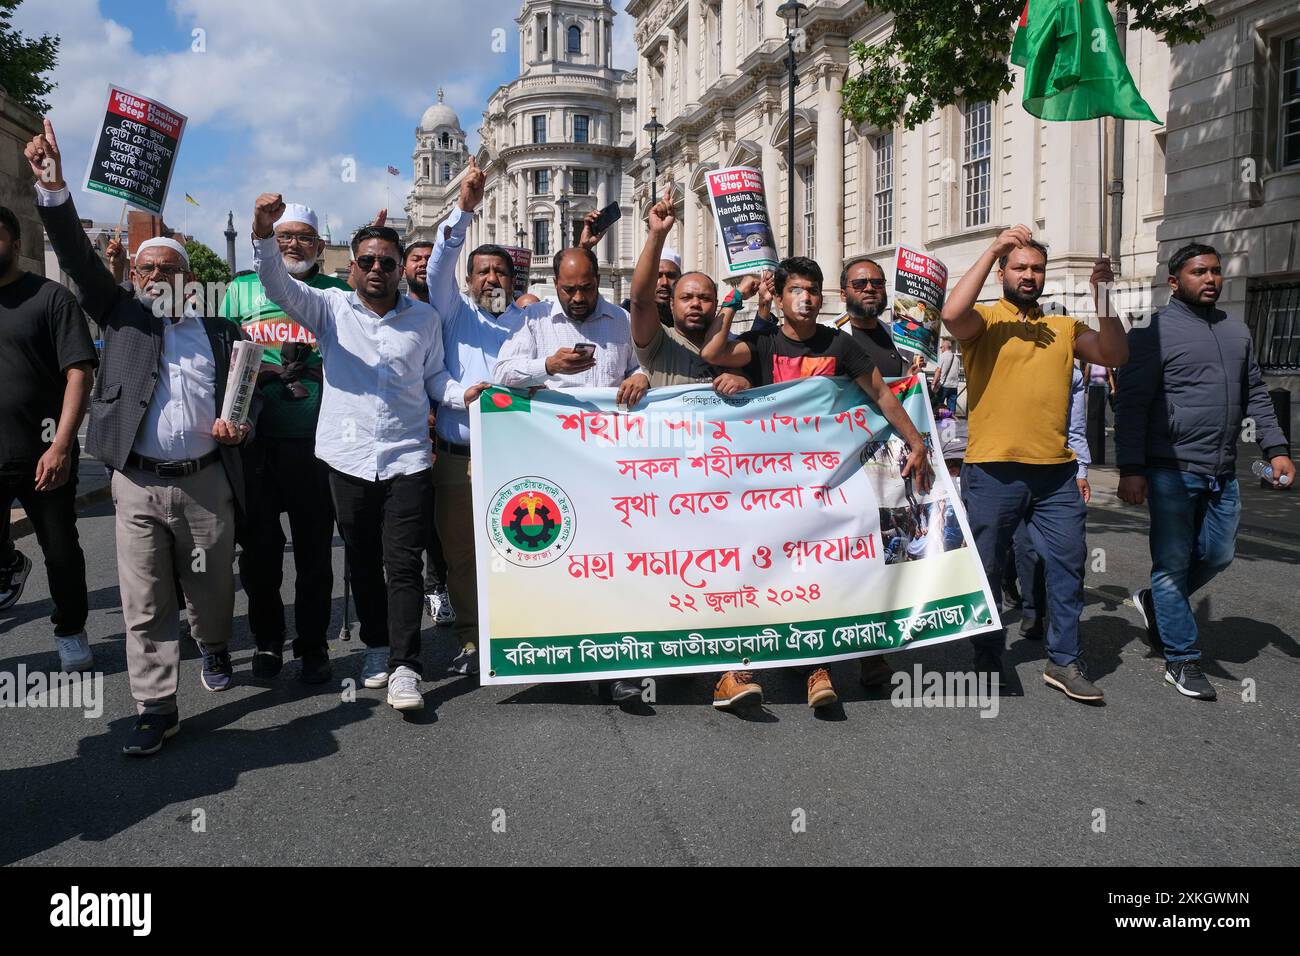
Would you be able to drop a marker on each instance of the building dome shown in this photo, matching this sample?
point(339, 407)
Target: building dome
point(439, 114)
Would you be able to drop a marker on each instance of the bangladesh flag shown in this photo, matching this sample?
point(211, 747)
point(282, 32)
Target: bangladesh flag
point(1073, 68)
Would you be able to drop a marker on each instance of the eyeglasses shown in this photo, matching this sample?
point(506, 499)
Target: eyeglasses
point(153, 268)
point(366, 263)
point(857, 285)
point(572, 290)
point(289, 238)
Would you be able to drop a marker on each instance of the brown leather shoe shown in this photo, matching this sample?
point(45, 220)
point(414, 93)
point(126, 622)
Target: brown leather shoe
point(736, 687)
point(875, 671)
point(820, 691)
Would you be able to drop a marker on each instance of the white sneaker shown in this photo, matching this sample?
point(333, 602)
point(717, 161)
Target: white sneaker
point(74, 653)
point(374, 669)
point(404, 691)
point(440, 609)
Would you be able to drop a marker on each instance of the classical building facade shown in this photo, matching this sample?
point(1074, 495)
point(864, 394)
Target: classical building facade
point(1234, 170)
point(554, 145)
point(715, 72)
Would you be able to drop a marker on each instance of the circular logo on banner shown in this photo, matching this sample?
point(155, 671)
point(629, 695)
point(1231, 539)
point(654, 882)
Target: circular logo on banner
point(530, 522)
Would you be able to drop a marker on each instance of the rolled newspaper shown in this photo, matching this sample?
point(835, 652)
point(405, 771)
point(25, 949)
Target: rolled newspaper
point(245, 363)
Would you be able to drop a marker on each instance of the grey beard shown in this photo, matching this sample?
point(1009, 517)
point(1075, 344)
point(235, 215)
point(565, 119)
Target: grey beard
point(493, 300)
point(297, 267)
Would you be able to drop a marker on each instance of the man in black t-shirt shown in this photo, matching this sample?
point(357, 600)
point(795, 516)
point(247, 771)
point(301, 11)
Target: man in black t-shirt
point(46, 363)
point(800, 348)
point(862, 285)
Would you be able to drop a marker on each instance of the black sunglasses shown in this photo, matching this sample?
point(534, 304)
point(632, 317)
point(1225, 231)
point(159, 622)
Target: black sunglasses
point(857, 285)
point(366, 263)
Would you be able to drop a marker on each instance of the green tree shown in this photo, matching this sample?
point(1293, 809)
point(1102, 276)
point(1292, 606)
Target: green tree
point(22, 61)
point(943, 51)
point(206, 265)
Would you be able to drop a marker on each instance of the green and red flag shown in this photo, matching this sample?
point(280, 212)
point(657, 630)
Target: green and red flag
point(1073, 67)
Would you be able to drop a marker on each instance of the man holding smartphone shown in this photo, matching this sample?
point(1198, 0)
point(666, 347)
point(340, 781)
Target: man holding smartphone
point(576, 340)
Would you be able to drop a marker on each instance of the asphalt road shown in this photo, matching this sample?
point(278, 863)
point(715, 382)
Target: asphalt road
point(283, 774)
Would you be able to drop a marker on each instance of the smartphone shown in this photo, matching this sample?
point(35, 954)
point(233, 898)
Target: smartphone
point(608, 216)
point(587, 348)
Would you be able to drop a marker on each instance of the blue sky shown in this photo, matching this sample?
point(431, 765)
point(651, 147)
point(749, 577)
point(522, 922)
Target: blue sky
point(279, 96)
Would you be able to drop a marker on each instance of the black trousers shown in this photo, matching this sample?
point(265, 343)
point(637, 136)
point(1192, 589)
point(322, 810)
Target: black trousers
point(283, 475)
point(54, 518)
point(385, 528)
point(435, 564)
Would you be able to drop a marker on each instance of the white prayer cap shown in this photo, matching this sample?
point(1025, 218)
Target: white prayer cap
point(295, 212)
point(671, 255)
point(165, 243)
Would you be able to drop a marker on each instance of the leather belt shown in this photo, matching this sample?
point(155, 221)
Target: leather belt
point(172, 469)
point(451, 447)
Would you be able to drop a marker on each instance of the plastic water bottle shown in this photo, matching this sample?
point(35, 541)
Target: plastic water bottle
point(1264, 470)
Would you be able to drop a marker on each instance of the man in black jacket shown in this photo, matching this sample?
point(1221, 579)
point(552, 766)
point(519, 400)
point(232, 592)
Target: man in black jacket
point(176, 466)
point(1190, 379)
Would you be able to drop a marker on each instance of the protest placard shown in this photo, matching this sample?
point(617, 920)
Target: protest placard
point(920, 283)
point(135, 150)
point(523, 262)
point(744, 231)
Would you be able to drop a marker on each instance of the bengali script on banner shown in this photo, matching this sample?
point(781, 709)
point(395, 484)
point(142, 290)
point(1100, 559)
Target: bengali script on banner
point(701, 533)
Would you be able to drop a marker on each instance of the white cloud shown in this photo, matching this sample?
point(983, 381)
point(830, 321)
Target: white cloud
point(280, 88)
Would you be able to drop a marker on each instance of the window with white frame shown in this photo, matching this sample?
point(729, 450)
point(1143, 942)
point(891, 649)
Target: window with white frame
point(541, 182)
point(977, 163)
point(581, 128)
point(541, 237)
point(756, 35)
point(883, 204)
point(446, 172)
point(581, 182)
point(539, 129)
point(809, 221)
point(1289, 119)
point(575, 39)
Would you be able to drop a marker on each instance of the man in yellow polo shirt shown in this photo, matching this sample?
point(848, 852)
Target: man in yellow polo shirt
point(1018, 464)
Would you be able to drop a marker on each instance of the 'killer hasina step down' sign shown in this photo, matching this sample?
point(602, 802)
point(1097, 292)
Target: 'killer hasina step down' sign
point(135, 150)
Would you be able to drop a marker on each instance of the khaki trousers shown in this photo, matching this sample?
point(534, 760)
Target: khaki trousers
point(453, 511)
point(172, 526)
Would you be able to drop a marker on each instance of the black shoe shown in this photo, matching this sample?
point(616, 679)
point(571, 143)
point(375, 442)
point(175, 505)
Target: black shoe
point(315, 666)
point(1072, 681)
point(987, 661)
point(1031, 627)
point(149, 732)
point(1188, 680)
point(1146, 608)
point(13, 579)
point(623, 690)
point(875, 671)
point(267, 663)
point(466, 662)
point(1011, 599)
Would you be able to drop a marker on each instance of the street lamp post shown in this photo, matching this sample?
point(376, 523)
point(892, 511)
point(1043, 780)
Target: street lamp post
point(790, 11)
point(654, 128)
point(521, 235)
point(563, 203)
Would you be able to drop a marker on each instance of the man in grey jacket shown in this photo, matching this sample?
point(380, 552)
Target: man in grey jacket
point(1190, 380)
point(154, 422)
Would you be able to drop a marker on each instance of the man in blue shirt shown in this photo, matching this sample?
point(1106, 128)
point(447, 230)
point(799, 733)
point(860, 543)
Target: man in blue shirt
point(475, 325)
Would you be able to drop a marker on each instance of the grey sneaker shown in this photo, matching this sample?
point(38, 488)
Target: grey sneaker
point(1072, 681)
point(404, 690)
point(1188, 679)
point(74, 653)
point(374, 668)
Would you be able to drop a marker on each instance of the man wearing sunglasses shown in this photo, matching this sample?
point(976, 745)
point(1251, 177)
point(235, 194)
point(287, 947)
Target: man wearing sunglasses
point(281, 470)
point(382, 357)
point(178, 477)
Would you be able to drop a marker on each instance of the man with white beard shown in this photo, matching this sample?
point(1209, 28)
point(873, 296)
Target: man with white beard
point(281, 470)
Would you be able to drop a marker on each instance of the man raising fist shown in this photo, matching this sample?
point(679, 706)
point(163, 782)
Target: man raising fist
point(382, 357)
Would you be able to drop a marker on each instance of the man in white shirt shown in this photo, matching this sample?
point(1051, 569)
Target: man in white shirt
point(382, 357)
point(177, 475)
point(542, 353)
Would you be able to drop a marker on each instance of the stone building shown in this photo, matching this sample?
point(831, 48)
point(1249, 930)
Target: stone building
point(554, 144)
point(715, 72)
point(17, 126)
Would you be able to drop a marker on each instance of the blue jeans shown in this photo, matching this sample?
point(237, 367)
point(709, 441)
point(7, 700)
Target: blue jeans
point(1193, 537)
point(998, 496)
point(948, 398)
